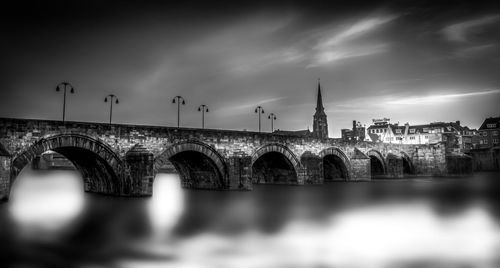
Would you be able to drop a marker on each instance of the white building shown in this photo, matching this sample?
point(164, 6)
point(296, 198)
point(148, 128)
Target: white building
point(383, 131)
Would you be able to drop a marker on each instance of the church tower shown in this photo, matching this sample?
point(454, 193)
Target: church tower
point(320, 124)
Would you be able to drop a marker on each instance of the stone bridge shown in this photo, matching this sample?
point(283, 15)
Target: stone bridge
point(124, 159)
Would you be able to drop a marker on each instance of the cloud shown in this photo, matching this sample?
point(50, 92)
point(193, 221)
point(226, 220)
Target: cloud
point(434, 99)
point(253, 62)
point(251, 105)
point(384, 102)
point(343, 44)
point(333, 55)
point(458, 32)
point(474, 51)
point(357, 29)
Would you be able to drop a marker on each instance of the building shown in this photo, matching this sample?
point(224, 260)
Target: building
point(486, 152)
point(469, 139)
point(489, 133)
point(378, 132)
point(456, 137)
point(357, 133)
point(320, 124)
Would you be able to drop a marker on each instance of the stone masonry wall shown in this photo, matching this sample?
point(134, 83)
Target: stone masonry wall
point(430, 161)
point(18, 134)
point(360, 169)
point(485, 159)
point(4, 177)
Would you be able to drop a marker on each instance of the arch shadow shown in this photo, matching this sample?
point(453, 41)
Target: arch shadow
point(275, 163)
point(335, 164)
point(200, 166)
point(102, 169)
point(378, 164)
point(408, 167)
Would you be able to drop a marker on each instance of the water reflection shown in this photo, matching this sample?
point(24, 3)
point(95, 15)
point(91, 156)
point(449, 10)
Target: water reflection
point(380, 236)
point(439, 222)
point(44, 203)
point(166, 204)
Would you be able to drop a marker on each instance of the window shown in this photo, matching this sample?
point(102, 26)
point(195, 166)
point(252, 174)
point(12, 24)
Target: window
point(426, 137)
point(485, 133)
point(412, 130)
point(412, 138)
point(398, 131)
point(485, 142)
point(494, 133)
point(426, 129)
point(491, 125)
point(495, 141)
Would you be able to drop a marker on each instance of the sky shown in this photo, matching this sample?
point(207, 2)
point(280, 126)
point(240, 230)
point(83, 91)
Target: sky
point(410, 61)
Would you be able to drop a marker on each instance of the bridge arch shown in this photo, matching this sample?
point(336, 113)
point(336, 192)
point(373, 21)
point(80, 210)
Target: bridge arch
point(335, 165)
point(102, 169)
point(408, 167)
point(199, 165)
point(378, 164)
point(275, 163)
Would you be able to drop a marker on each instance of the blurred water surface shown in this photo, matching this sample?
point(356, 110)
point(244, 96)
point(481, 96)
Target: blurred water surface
point(419, 222)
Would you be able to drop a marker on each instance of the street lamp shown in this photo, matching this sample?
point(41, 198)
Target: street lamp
point(203, 108)
point(111, 96)
point(64, 86)
point(272, 117)
point(179, 98)
point(259, 110)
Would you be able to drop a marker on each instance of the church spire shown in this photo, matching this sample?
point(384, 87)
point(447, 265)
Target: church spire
point(320, 124)
point(319, 102)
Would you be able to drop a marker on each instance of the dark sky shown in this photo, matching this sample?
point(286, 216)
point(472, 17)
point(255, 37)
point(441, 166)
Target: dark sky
point(411, 61)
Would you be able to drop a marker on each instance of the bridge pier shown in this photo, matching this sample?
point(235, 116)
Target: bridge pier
point(312, 171)
point(394, 166)
point(434, 161)
point(140, 162)
point(240, 167)
point(360, 169)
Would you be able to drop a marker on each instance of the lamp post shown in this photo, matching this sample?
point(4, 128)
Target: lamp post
point(259, 110)
point(179, 98)
point(111, 96)
point(203, 108)
point(63, 86)
point(272, 117)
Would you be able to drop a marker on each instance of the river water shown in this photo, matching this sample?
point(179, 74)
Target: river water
point(420, 222)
